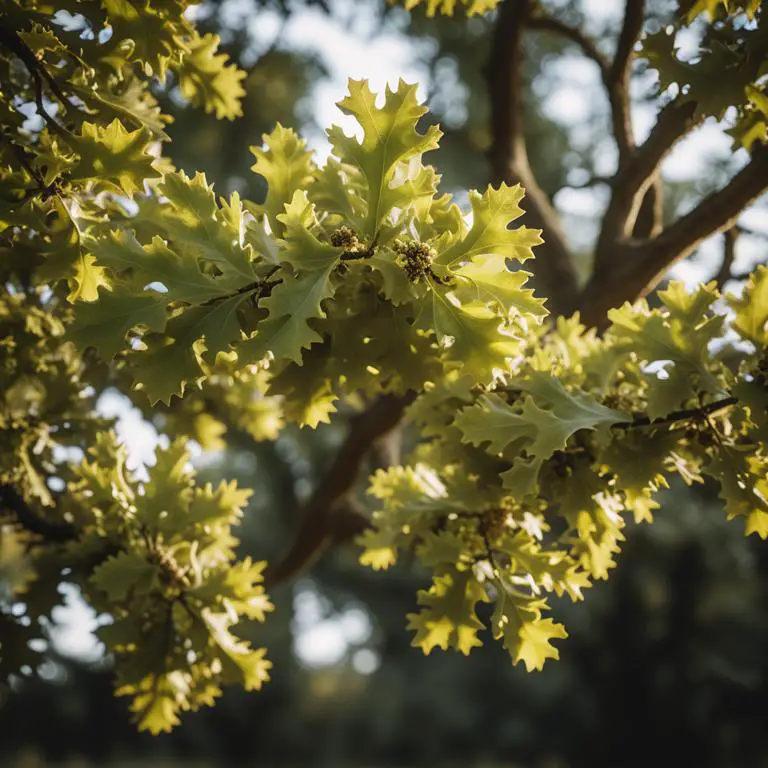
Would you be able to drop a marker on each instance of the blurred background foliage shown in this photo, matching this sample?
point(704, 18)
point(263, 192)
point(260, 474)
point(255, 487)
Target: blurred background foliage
point(666, 663)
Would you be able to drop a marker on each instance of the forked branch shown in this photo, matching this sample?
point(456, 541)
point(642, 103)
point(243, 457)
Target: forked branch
point(635, 266)
point(714, 214)
point(637, 176)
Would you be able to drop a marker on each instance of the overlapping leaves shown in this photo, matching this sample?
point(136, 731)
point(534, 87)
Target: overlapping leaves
point(728, 71)
point(168, 577)
point(524, 487)
point(328, 248)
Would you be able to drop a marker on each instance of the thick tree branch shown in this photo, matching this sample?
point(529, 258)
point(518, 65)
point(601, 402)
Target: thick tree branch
point(714, 214)
point(331, 514)
point(636, 266)
point(636, 177)
point(509, 158)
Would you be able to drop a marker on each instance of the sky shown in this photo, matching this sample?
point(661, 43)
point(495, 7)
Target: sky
point(351, 47)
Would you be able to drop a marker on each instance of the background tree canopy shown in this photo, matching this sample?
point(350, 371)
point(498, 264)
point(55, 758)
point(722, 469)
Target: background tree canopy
point(423, 368)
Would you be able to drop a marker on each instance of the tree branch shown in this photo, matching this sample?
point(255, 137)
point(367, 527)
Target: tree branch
point(618, 77)
point(331, 514)
point(13, 501)
point(615, 75)
point(684, 414)
point(11, 40)
point(544, 23)
point(634, 267)
point(509, 158)
point(724, 274)
point(714, 214)
point(650, 217)
point(635, 178)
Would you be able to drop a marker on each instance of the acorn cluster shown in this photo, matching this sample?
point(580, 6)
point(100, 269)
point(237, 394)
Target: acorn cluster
point(344, 237)
point(415, 258)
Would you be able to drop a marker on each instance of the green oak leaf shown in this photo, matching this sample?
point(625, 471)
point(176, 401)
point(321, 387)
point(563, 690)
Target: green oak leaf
point(677, 338)
point(196, 224)
point(487, 279)
point(154, 32)
point(389, 140)
point(167, 495)
point(206, 79)
point(114, 156)
point(449, 618)
point(712, 8)
point(526, 635)
point(180, 274)
point(577, 408)
point(522, 478)
point(751, 309)
point(171, 363)
point(302, 249)
point(104, 324)
point(743, 478)
point(291, 304)
point(286, 164)
point(124, 574)
point(491, 420)
point(492, 213)
point(470, 334)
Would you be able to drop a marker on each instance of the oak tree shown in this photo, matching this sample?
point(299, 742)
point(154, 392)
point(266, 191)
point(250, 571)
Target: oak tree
point(544, 409)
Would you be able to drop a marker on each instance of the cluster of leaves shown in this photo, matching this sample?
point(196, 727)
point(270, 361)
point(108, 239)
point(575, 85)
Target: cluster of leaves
point(714, 8)
point(157, 559)
point(728, 70)
point(44, 409)
point(232, 399)
point(81, 135)
point(523, 488)
point(99, 133)
point(351, 277)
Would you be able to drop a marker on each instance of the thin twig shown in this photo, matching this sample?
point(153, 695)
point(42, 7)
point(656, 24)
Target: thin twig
point(685, 414)
point(11, 40)
point(545, 23)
